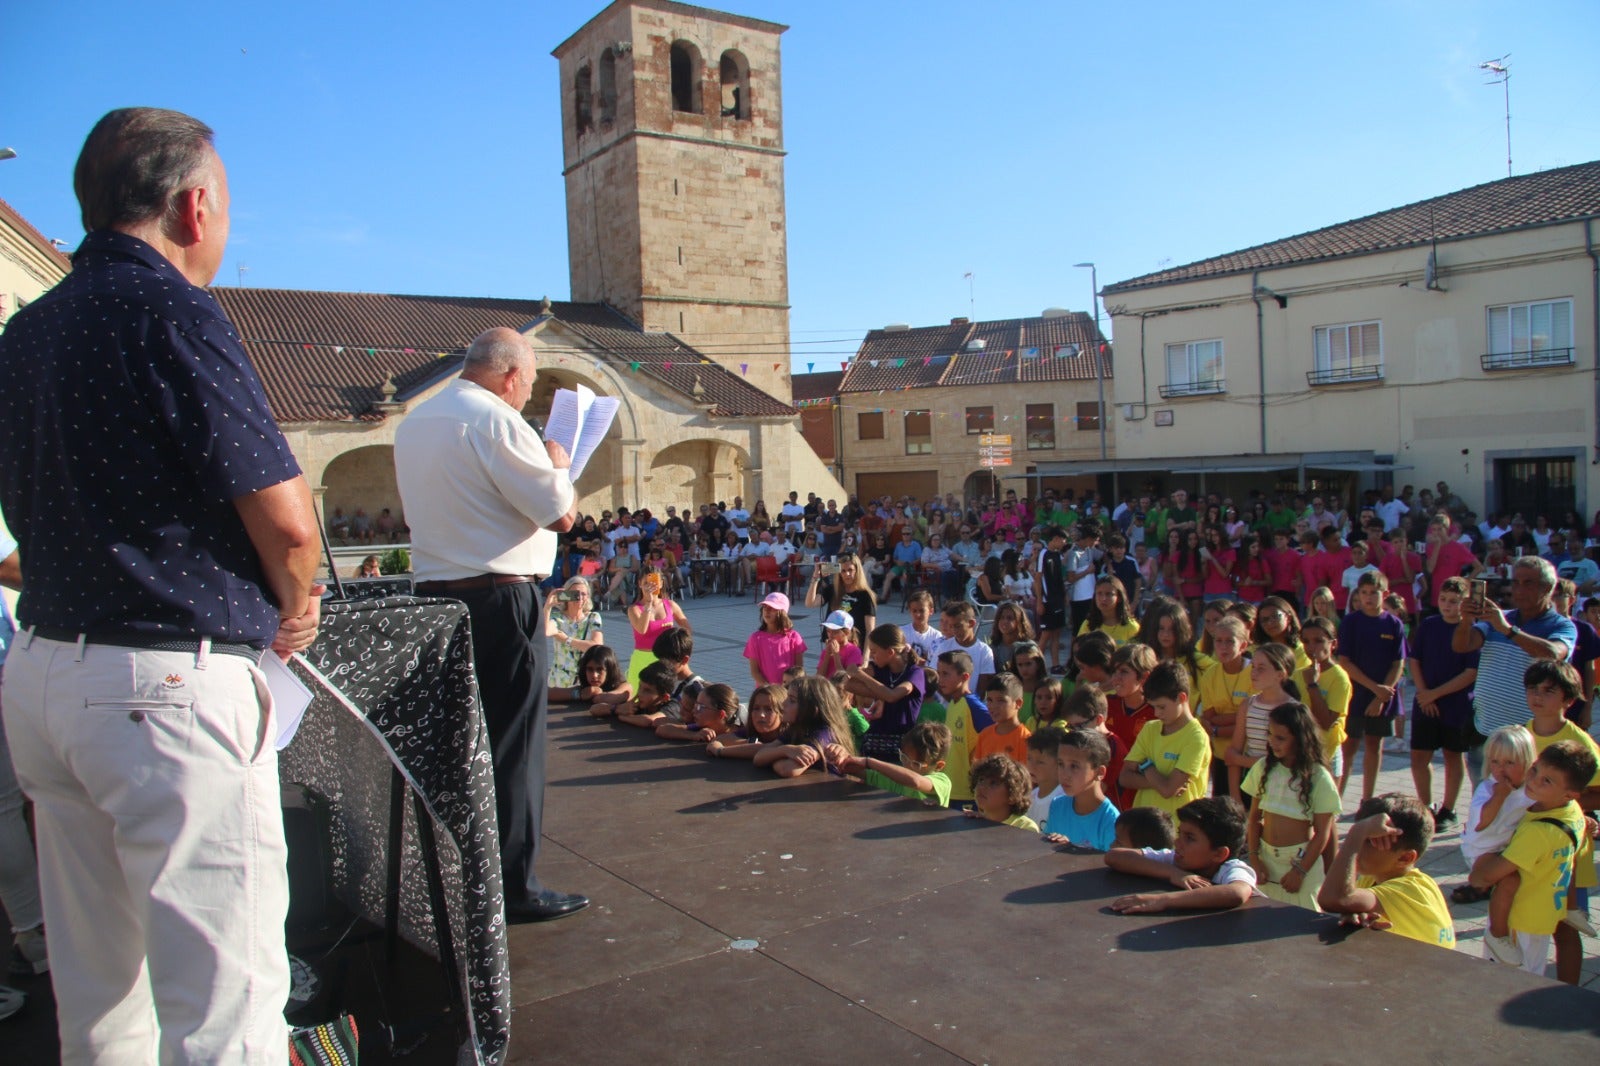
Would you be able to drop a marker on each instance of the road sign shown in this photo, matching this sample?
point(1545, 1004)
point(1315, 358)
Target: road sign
point(994, 449)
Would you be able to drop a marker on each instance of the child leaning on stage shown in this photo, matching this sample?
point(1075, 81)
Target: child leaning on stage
point(716, 713)
point(1082, 815)
point(1375, 880)
point(1000, 792)
point(1203, 862)
point(652, 704)
point(763, 724)
point(919, 773)
point(1145, 827)
point(814, 719)
point(1293, 805)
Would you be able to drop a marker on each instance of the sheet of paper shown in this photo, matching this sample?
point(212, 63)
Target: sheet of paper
point(579, 421)
point(290, 696)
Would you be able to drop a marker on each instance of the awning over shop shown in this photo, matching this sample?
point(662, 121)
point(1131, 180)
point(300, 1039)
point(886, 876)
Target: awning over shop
point(1343, 462)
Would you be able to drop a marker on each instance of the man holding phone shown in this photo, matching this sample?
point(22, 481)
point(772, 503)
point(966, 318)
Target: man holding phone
point(1508, 641)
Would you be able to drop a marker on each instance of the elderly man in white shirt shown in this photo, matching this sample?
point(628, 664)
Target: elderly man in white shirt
point(485, 499)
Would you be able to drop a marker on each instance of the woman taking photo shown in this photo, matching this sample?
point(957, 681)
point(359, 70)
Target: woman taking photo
point(572, 626)
point(845, 590)
point(650, 616)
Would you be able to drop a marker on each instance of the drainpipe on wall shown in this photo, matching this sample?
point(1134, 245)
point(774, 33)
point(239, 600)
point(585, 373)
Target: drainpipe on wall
point(1261, 354)
point(1594, 314)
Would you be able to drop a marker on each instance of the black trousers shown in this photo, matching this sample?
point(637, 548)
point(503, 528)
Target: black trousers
point(512, 656)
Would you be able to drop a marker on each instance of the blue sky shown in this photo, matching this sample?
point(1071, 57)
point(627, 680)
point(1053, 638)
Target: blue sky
point(415, 147)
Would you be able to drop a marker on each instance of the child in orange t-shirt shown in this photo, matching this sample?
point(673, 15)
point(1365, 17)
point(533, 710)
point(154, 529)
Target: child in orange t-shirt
point(1008, 736)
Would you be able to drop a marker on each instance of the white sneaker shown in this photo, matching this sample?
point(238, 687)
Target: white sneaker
point(1503, 948)
point(1580, 921)
point(11, 1001)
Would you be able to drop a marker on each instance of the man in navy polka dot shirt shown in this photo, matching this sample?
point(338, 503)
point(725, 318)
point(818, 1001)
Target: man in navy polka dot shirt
point(167, 540)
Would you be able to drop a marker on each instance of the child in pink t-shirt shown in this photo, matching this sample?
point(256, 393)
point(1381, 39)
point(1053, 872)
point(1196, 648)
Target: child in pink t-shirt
point(777, 645)
point(839, 652)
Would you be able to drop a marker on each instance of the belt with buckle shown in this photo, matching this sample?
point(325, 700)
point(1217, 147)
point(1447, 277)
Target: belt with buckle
point(146, 642)
point(482, 581)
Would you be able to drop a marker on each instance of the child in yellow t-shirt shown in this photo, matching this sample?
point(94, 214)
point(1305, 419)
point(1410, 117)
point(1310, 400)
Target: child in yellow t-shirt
point(1224, 690)
point(1375, 880)
point(1170, 762)
point(1003, 694)
point(962, 713)
point(1326, 687)
point(1539, 860)
point(1000, 788)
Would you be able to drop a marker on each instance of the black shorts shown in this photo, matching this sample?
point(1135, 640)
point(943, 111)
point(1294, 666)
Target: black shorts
point(1430, 733)
point(1081, 609)
point(1053, 618)
point(1359, 725)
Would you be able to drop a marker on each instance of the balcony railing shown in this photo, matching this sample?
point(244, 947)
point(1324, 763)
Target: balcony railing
point(1194, 388)
point(1524, 360)
point(1345, 375)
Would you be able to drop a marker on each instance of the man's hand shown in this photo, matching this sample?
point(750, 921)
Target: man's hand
point(297, 634)
point(558, 455)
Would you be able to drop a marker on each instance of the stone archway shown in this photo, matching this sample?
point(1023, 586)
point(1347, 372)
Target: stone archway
point(599, 487)
point(693, 472)
point(362, 478)
point(979, 484)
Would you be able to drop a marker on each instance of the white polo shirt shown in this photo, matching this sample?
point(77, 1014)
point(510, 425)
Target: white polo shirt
point(479, 490)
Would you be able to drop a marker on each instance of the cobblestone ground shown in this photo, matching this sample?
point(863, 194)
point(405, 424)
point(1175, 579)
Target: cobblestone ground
point(722, 624)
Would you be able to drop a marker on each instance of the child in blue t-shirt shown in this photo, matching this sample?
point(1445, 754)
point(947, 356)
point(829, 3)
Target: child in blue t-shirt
point(1372, 650)
point(1082, 815)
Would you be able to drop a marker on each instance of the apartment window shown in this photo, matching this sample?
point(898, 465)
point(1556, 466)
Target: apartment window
point(1194, 368)
point(1089, 416)
point(919, 433)
point(869, 425)
point(1349, 352)
point(1041, 426)
point(980, 420)
point(1530, 334)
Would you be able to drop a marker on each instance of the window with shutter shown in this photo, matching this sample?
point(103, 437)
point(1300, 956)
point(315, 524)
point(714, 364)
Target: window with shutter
point(1530, 335)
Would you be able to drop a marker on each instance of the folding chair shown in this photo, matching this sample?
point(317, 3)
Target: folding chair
point(769, 576)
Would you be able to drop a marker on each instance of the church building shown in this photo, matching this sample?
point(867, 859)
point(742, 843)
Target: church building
point(673, 149)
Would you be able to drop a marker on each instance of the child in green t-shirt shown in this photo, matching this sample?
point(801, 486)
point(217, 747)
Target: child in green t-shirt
point(920, 772)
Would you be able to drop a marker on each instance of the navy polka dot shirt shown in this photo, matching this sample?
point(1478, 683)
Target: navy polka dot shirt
point(130, 418)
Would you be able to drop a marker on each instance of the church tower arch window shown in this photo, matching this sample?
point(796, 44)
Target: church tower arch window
point(687, 69)
point(735, 76)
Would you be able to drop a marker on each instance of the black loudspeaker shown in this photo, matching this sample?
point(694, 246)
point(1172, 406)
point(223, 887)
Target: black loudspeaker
point(307, 827)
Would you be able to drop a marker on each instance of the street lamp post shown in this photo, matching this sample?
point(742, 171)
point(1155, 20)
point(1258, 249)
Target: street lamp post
point(1094, 344)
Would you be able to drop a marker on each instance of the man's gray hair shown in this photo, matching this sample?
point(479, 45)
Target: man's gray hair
point(1547, 573)
point(135, 164)
point(496, 351)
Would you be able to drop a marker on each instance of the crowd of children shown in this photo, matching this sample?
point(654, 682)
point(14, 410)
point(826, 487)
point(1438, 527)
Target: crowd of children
point(1207, 744)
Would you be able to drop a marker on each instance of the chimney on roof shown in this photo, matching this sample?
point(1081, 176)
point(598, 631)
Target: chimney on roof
point(1055, 312)
point(962, 321)
point(897, 327)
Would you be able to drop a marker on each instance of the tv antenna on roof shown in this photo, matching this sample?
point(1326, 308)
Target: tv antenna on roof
point(1500, 74)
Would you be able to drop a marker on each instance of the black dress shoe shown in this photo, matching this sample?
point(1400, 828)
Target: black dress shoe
point(546, 906)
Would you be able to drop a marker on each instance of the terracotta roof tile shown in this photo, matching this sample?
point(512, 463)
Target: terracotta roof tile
point(823, 386)
point(34, 237)
point(1016, 349)
point(1547, 198)
point(324, 356)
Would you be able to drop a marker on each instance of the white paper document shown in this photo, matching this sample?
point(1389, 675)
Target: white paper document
point(290, 696)
point(579, 421)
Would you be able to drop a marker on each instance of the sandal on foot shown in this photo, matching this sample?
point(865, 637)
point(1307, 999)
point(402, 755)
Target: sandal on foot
point(1468, 894)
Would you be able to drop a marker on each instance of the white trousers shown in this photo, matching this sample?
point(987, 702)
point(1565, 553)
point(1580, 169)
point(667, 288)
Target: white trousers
point(161, 849)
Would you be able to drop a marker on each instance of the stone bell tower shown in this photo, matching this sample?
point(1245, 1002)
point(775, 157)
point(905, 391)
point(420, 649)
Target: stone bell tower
point(672, 144)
